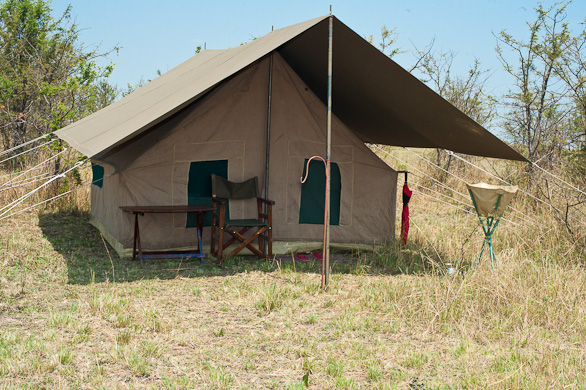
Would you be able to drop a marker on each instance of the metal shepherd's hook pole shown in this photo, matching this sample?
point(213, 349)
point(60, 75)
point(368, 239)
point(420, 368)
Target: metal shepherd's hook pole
point(325, 270)
point(303, 179)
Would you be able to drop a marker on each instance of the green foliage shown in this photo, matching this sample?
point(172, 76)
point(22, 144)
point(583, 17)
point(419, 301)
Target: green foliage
point(48, 78)
point(388, 40)
point(538, 114)
point(467, 92)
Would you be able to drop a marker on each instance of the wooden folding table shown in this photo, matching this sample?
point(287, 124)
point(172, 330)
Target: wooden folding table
point(199, 211)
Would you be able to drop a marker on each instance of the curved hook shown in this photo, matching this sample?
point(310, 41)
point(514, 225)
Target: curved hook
point(303, 179)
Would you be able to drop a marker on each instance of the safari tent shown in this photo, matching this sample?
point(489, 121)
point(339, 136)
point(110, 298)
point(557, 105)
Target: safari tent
point(259, 110)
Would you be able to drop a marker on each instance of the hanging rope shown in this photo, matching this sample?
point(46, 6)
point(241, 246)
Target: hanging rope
point(47, 200)
point(560, 179)
point(436, 165)
point(439, 183)
point(453, 205)
point(30, 180)
point(26, 151)
point(441, 201)
point(444, 195)
point(456, 200)
point(517, 214)
point(506, 182)
point(26, 143)
point(16, 202)
point(33, 168)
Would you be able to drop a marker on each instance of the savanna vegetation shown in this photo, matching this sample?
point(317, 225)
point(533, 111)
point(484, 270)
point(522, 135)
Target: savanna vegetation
point(74, 315)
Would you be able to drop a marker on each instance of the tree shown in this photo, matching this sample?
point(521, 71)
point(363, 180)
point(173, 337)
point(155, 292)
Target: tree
point(572, 72)
point(48, 78)
point(537, 111)
point(467, 93)
point(435, 69)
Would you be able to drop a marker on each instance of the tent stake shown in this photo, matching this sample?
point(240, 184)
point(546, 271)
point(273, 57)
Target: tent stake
point(326, 260)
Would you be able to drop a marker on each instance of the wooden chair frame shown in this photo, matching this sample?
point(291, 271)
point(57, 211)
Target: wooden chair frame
point(237, 233)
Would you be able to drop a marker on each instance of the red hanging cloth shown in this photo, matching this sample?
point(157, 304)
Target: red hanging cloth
point(405, 214)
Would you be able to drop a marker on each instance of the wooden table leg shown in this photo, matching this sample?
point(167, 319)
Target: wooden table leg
point(135, 236)
point(200, 220)
point(138, 243)
point(199, 223)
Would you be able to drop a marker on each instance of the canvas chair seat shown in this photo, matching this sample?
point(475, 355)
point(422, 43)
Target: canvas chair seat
point(245, 222)
point(240, 229)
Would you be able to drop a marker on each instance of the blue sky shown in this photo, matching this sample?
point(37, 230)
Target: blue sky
point(157, 35)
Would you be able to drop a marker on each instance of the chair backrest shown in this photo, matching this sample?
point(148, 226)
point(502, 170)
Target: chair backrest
point(226, 189)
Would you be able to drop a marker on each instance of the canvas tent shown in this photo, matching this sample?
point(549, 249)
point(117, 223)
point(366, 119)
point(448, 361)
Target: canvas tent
point(158, 145)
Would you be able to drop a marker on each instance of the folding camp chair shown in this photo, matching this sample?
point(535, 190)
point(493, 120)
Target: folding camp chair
point(224, 190)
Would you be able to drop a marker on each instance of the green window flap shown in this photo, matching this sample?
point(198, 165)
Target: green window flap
point(199, 186)
point(97, 175)
point(313, 193)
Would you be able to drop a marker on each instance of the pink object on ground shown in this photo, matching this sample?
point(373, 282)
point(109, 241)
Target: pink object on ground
point(318, 256)
point(301, 257)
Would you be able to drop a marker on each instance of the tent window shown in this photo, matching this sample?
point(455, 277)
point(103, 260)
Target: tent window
point(97, 175)
point(313, 193)
point(199, 186)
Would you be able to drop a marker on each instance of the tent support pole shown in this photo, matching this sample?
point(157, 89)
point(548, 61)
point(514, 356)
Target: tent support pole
point(268, 148)
point(326, 260)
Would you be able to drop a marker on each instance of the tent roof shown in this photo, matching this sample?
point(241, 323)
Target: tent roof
point(376, 98)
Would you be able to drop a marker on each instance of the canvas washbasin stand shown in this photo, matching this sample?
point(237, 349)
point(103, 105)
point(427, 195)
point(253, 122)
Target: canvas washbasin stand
point(490, 202)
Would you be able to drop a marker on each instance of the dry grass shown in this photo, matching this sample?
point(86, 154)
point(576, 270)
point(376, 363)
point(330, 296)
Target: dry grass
point(69, 318)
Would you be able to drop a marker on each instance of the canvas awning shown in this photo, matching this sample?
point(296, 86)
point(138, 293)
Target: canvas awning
point(376, 98)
